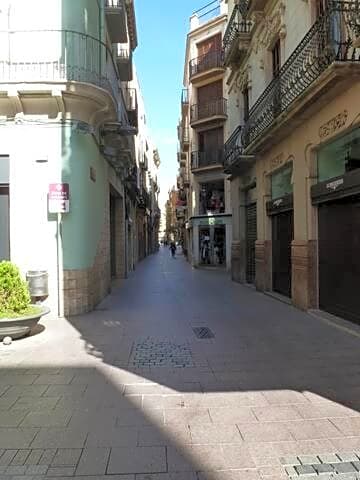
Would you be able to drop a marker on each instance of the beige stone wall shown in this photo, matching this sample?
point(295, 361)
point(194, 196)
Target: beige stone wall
point(300, 148)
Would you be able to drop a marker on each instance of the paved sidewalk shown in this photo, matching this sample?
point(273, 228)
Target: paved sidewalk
point(129, 392)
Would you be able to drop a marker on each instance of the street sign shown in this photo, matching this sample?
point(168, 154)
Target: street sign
point(59, 198)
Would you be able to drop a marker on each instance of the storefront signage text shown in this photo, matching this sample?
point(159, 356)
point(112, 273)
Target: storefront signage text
point(335, 184)
point(334, 124)
point(211, 221)
point(278, 202)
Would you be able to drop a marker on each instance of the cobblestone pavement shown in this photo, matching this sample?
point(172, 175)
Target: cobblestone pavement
point(129, 392)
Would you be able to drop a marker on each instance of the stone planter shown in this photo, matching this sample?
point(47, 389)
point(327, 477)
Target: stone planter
point(21, 326)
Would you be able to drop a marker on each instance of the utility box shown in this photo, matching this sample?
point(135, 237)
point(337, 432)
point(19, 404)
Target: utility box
point(38, 283)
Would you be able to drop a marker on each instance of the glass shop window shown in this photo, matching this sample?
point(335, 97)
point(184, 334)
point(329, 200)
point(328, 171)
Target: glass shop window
point(339, 157)
point(212, 198)
point(282, 182)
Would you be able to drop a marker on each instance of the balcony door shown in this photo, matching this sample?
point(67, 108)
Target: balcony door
point(210, 45)
point(209, 99)
point(211, 141)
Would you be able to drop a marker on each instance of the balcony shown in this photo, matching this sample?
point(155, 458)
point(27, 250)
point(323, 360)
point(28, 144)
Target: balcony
point(237, 37)
point(206, 66)
point(326, 62)
point(123, 56)
point(115, 12)
point(59, 63)
point(210, 11)
point(131, 104)
point(207, 159)
point(184, 138)
point(212, 111)
point(235, 162)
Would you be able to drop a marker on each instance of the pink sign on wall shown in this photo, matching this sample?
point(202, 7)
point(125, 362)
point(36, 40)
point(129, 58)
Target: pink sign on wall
point(59, 198)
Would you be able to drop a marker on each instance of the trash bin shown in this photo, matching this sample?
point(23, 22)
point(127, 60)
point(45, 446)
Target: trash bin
point(38, 283)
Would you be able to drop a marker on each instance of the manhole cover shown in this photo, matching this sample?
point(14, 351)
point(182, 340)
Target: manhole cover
point(153, 353)
point(203, 332)
point(330, 466)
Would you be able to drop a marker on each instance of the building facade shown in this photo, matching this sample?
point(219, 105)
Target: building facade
point(69, 124)
point(293, 150)
point(204, 112)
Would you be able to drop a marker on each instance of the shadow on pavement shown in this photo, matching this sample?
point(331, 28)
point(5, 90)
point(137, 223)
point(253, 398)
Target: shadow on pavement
point(129, 389)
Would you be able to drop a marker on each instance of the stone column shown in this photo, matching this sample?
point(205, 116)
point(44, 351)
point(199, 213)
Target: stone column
point(263, 245)
point(238, 246)
point(304, 245)
point(120, 238)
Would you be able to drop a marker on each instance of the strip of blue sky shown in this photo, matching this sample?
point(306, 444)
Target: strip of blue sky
point(162, 29)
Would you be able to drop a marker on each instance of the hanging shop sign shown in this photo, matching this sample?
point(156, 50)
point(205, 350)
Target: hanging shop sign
point(211, 221)
point(59, 198)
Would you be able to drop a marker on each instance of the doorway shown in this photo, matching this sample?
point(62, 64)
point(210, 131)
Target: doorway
point(339, 260)
point(212, 245)
point(282, 236)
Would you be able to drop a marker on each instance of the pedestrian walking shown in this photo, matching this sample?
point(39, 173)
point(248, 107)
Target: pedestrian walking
point(173, 249)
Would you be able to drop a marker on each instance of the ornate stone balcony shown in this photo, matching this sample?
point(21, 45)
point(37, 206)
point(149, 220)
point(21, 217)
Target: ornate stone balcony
point(325, 62)
point(237, 36)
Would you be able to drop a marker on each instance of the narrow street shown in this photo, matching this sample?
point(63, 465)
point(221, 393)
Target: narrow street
point(129, 392)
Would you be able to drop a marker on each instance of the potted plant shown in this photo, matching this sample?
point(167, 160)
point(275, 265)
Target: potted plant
point(17, 315)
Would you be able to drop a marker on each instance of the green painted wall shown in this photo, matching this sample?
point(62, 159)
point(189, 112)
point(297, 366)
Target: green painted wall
point(82, 16)
point(82, 227)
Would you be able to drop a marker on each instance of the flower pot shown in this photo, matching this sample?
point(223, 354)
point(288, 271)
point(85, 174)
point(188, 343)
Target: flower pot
point(21, 326)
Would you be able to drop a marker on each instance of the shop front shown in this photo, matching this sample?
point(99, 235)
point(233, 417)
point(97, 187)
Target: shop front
point(281, 212)
point(337, 198)
point(211, 236)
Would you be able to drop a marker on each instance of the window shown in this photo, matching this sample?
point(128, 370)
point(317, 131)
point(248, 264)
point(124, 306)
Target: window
point(212, 44)
point(282, 182)
point(276, 59)
point(212, 198)
point(340, 156)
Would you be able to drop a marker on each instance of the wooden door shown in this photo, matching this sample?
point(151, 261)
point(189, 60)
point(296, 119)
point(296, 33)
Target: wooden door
point(212, 44)
point(210, 92)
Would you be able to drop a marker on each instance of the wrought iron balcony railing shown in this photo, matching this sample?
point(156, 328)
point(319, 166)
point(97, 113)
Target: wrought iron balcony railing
point(183, 135)
point(236, 27)
point(208, 12)
point(206, 159)
point(244, 7)
point(202, 111)
point(233, 149)
point(57, 56)
point(123, 52)
point(334, 38)
point(206, 62)
point(114, 3)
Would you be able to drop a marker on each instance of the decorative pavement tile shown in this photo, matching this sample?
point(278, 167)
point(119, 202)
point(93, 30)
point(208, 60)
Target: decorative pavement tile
point(154, 353)
point(344, 466)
